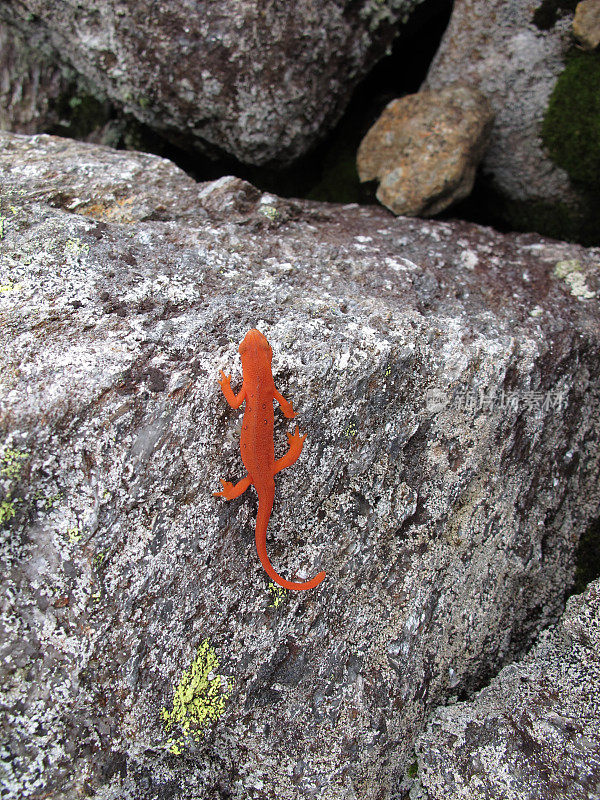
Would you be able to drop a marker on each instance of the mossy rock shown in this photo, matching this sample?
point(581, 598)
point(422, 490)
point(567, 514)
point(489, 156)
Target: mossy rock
point(571, 128)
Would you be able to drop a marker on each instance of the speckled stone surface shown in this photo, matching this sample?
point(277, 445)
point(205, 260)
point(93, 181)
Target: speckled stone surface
point(496, 46)
point(260, 81)
point(535, 731)
point(446, 517)
point(425, 148)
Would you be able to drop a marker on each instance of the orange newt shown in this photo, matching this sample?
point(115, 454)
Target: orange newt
point(256, 442)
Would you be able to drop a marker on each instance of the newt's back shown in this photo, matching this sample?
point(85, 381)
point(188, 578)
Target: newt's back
point(256, 442)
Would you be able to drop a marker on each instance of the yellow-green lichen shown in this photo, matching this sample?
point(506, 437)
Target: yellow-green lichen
point(198, 699)
point(47, 501)
point(74, 535)
point(7, 511)
point(351, 430)
point(270, 212)
point(76, 246)
point(11, 463)
point(278, 594)
point(4, 218)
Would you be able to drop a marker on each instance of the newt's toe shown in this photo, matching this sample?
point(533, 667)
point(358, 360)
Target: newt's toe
point(227, 487)
point(295, 439)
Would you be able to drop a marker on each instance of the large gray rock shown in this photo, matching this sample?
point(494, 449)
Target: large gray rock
point(445, 518)
point(535, 731)
point(504, 49)
point(258, 81)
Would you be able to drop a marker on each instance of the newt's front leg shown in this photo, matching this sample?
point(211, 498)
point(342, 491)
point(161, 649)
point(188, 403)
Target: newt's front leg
point(234, 400)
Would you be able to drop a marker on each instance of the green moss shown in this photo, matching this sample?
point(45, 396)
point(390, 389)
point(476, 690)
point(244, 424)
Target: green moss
point(549, 12)
point(577, 223)
point(339, 181)
point(413, 770)
point(571, 128)
point(82, 114)
point(198, 700)
point(488, 205)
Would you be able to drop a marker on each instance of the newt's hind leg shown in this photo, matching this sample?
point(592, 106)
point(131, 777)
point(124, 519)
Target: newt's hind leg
point(230, 492)
point(296, 443)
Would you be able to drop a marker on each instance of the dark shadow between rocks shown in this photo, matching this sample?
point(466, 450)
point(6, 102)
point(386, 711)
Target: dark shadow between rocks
point(587, 559)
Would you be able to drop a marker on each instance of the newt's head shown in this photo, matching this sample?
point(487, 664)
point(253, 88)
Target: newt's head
point(255, 345)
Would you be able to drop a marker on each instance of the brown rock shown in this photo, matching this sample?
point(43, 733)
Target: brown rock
point(586, 23)
point(425, 148)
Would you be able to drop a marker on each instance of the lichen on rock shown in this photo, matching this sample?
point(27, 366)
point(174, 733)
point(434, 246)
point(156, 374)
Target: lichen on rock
point(199, 698)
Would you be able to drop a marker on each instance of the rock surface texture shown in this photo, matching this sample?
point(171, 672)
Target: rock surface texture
point(258, 81)
point(447, 380)
point(535, 731)
point(425, 148)
point(501, 48)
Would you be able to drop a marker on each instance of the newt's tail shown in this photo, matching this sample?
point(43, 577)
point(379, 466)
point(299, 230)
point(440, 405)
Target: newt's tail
point(265, 506)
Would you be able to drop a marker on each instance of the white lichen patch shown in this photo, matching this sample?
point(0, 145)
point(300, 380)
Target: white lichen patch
point(469, 259)
point(571, 272)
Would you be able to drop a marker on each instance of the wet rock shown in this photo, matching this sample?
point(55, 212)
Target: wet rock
point(504, 50)
point(260, 82)
point(586, 24)
point(424, 149)
point(447, 379)
point(535, 731)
